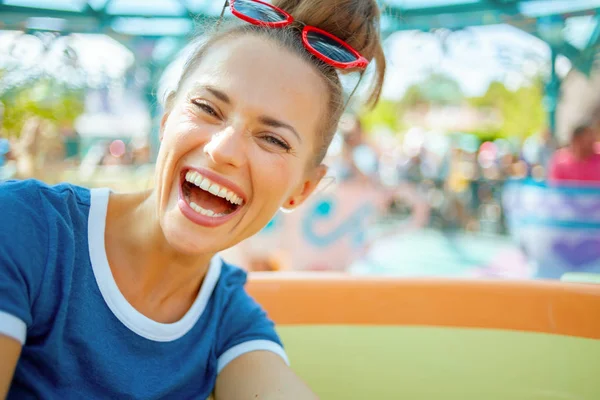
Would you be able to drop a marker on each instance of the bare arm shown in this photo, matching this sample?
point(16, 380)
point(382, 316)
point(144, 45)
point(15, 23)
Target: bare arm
point(10, 350)
point(260, 375)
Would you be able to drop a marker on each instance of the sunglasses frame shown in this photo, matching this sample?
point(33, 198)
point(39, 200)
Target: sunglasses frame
point(360, 62)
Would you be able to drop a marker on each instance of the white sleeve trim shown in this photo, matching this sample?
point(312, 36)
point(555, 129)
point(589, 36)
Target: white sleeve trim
point(247, 347)
point(13, 327)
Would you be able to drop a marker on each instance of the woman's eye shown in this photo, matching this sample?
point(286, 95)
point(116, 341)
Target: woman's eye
point(207, 109)
point(277, 142)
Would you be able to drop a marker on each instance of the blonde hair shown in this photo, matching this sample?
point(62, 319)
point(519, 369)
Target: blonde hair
point(354, 21)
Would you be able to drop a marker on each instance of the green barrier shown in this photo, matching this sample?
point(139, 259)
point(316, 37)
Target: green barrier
point(392, 362)
point(579, 277)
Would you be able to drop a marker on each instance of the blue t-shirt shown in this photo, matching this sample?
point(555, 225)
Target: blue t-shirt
point(81, 338)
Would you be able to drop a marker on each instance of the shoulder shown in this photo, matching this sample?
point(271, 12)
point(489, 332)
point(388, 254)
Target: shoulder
point(30, 193)
point(231, 289)
point(30, 207)
point(232, 277)
point(32, 212)
point(23, 211)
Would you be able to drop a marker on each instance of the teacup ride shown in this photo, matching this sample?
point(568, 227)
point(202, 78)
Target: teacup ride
point(391, 338)
point(557, 227)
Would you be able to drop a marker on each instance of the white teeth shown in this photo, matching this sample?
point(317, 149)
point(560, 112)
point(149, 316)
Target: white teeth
point(200, 210)
point(205, 184)
point(213, 188)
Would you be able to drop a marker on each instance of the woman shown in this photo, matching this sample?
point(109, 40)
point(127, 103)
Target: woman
point(109, 295)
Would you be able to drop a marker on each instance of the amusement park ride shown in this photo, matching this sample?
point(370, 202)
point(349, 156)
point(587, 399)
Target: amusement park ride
point(388, 338)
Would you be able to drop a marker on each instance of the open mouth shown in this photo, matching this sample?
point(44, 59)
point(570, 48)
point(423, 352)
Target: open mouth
point(208, 198)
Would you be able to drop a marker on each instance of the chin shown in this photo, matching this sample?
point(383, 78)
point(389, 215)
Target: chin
point(187, 238)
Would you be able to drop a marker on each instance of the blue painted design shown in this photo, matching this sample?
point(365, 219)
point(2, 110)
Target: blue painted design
point(580, 253)
point(553, 223)
point(325, 209)
point(565, 189)
point(272, 225)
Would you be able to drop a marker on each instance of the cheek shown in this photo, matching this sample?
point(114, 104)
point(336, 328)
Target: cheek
point(180, 137)
point(275, 177)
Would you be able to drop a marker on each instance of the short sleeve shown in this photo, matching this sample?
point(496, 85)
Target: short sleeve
point(245, 326)
point(23, 254)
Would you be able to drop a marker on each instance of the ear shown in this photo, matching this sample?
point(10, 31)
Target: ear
point(305, 189)
point(169, 100)
point(163, 122)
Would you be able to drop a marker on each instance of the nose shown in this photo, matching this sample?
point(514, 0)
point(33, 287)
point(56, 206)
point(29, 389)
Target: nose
point(226, 148)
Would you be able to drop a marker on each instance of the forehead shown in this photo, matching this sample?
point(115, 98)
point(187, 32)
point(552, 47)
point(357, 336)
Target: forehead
point(260, 76)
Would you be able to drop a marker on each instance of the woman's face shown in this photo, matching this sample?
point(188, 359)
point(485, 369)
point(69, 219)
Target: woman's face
point(236, 144)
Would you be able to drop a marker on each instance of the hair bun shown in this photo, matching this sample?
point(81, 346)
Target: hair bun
point(354, 21)
point(357, 22)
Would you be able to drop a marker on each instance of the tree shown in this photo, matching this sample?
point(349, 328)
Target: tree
point(522, 110)
point(42, 97)
point(435, 89)
point(385, 114)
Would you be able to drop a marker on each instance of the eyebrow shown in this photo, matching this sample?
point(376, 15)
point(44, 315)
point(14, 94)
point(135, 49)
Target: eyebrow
point(218, 94)
point(274, 123)
point(266, 120)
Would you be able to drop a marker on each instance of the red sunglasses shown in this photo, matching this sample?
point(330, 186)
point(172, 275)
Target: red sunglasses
point(323, 45)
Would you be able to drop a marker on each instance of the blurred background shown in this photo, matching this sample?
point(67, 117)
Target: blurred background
point(450, 175)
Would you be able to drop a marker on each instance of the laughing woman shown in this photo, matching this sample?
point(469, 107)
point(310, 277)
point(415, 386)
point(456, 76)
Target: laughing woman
point(108, 295)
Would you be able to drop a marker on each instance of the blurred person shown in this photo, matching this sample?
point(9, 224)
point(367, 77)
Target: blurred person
point(113, 295)
point(27, 149)
point(580, 161)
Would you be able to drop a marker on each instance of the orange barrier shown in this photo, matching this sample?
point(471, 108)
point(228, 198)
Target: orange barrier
point(331, 299)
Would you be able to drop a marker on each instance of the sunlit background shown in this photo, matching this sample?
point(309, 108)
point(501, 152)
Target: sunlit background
point(478, 93)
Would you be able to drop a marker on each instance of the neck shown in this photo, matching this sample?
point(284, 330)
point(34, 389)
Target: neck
point(144, 264)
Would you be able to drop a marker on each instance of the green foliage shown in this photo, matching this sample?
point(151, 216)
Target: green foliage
point(43, 97)
point(436, 89)
point(385, 114)
point(522, 111)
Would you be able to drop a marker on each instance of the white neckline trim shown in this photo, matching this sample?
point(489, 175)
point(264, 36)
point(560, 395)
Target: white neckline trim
point(117, 303)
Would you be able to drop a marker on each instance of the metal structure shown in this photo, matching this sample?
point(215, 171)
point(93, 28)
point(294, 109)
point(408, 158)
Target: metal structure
point(147, 25)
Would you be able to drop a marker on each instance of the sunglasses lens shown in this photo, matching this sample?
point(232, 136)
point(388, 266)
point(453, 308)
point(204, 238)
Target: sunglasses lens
point(258, 11)
point(330, 48)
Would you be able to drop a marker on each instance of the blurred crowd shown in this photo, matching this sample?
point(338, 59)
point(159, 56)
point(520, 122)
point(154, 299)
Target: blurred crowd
point(458, 176)
point(46, 151)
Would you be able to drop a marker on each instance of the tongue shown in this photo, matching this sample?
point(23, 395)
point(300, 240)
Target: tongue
point(209, 201)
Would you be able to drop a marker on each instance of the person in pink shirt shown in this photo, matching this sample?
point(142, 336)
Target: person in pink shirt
point(580, 162)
